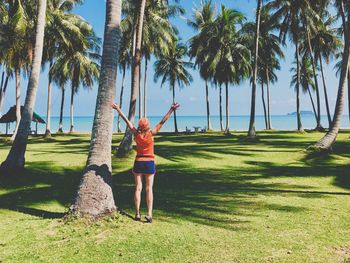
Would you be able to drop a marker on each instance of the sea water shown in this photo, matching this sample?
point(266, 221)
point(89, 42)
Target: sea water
point(236, 123)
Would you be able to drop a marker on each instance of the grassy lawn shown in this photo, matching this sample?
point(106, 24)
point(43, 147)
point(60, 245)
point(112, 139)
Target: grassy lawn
point(217, 199)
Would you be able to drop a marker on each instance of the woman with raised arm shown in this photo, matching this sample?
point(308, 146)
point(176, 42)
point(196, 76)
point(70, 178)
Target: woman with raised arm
point(144, 163)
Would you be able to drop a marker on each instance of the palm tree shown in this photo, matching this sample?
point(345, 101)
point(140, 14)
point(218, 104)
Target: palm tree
point(124, 64)
point(326, 45)
point(15, 45)
point(61, 30)
point(290, 13)
point(268, 62)
point(15, 159)
point(306, 79)
point(251, 131)
point(203, 17)
point(59, 74)
point(325, 143)
point(173, 69)
point(229, 56)
point(95, 197)
point(126, 143)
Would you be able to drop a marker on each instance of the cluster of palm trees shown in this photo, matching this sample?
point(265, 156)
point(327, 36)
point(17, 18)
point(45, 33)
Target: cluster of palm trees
point(226, 50)
point(71, 50)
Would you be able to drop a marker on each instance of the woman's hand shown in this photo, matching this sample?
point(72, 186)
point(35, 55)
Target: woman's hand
point(175, 106)
point(116, 106)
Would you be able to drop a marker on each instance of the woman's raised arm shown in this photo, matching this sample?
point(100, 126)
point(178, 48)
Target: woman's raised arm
point(173, 107)
point(130, 125)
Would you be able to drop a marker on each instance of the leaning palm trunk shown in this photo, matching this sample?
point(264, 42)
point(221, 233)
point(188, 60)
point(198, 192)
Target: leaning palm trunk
point(220, 106)
point(125, 145)
point(312, 103)
point(349, 91)
point(48, 111)
point(264, 105)
point(71, 130)
point(95, 197)
point(325, 144)
point(175, 119)
point(207, 102)
point(145, 90)
point(325, 94)
point(121, 98)
point(251, 131)
point(60, 127)
point(15, 159)
point(300, 126)
point(269, 126)
point(18, 102)
point(318, 100)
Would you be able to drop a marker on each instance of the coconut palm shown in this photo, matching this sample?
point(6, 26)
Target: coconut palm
point(290, 13)
point(327, 44)
point(61, 30)
point(268, 62)
point(325, 143)
point(230, 58)
point(171, 67)
point(15, 159)
point(306, 79)
point(95, 197)
point(126, 143)
point(203, 17)
point(15, 45)
point(251, 130)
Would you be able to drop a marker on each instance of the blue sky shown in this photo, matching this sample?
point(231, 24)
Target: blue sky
point(191, 98)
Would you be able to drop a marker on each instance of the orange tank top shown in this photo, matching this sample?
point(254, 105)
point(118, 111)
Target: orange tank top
point(144, 146)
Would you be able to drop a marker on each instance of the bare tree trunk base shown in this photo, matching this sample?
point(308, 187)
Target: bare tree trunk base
point(251, 134)
point(47, 134)
point(320, 129)
point(125, 145)
point(13, 166)
point(60, 131)
point(95, 197)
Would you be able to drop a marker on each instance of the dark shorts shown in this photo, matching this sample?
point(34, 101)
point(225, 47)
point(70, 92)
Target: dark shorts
point(144, 167)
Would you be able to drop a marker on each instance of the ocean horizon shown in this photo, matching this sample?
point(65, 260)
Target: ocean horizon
point(83, 124)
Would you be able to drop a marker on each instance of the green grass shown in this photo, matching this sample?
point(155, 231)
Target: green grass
point(217, 199)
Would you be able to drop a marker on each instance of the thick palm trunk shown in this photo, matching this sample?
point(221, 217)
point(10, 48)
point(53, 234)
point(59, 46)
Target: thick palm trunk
point(18, 101)
point(325, 144)
point(60, 127)
point(269, 123)
point(300, 126)
point(121, 98)
point(207, 102)
point(3, 93)
point(325, 94)
point(312, 103)
point(125, 145)
point(145, 90)
point(251, 131)
point(95, 197)
point(48, 111)
point(15, 159)
point(220, 106)
point(264, 105)
point(71, 130)
point(227, 129)
point(318, 100)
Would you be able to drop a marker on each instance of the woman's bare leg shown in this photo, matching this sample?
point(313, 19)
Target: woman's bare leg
point(149, 193)
point(138, 189)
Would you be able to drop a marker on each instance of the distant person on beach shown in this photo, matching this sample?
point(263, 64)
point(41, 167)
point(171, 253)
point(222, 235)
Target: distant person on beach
point(144, 163)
